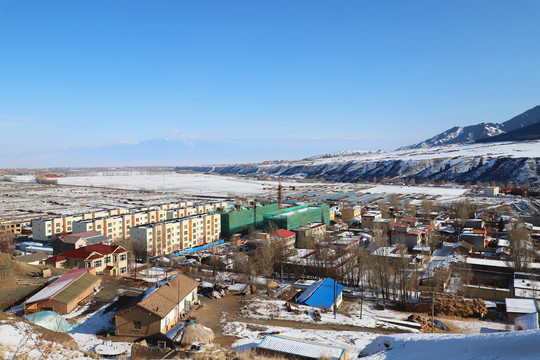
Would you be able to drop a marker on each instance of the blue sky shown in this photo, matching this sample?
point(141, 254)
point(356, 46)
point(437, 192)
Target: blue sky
point(90, 83)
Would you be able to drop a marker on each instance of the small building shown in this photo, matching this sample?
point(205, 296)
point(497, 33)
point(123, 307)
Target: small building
point(349, 213)
point(491, 191)
point(309, 234)
point(292, 348)
point(33, 259)
point(287, 236)
point(158, 309)
point(74, 241)
point(519, 307)
point(325, 293)
point(64, 294)
point(369, 217)
point(462, 248)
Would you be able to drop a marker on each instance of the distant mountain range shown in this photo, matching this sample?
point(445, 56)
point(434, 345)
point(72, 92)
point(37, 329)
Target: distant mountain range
point(501, 162)
point(518, 128)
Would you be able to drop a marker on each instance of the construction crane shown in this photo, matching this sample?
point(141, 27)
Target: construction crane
point(279, 189)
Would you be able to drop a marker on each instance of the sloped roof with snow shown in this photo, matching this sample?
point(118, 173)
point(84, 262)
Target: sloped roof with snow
point(321, 293)
point(60, 284)
point(521, 306)
point(301, 348)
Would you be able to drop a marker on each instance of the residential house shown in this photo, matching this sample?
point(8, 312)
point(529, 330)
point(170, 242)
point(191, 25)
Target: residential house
point(158, 309)
point(108, 259)
point(74, 241)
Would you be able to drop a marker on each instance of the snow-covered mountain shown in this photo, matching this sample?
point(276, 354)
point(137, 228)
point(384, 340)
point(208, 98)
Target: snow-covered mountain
point(338, 154)
point(468, 134)
point(501, 162)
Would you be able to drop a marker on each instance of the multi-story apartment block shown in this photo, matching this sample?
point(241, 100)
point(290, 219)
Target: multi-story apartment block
point(178, 234)
point(117, 223)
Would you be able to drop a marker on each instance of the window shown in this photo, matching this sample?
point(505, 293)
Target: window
point(122, 270)
point(123, 257)
point(97, 263)
point(137, 325)
point(107, 259)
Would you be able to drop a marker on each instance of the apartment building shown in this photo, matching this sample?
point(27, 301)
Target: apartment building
point(178, 234)
point(116, 223)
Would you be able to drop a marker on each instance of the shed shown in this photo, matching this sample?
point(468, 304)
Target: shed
point(517, 307)
point(292, 348)
point(324, 293)
point(65, 293)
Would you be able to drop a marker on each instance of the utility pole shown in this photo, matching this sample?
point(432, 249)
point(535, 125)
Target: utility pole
point(335, 296)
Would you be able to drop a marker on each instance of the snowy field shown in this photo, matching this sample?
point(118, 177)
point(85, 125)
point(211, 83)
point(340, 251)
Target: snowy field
point(194, 184)
point(501, 346)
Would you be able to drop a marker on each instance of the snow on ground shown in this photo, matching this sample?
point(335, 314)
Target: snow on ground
point(88, 326)
point(275, 309)
point(252, 334)
point(20, 341)
point(195, 184)
point(492, 150)
point(510, 345)
point(478, 326)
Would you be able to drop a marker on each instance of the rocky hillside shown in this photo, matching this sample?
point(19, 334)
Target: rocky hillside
point(468, 134)
point(501, 162)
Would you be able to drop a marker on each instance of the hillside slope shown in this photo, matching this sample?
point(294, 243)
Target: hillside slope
point(501, 162)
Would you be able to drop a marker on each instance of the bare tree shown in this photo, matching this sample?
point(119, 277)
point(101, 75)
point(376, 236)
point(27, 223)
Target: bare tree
point(521, 248)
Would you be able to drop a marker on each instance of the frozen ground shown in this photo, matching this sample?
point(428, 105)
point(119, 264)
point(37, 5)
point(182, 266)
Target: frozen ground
point(511, 345)
point(88, 326)
point(251, 335)
point(19, 340)
point(189, 184)
point(274, 309)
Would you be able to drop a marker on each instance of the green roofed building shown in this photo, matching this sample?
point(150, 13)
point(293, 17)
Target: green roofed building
point(240, 221)
point(298, 216)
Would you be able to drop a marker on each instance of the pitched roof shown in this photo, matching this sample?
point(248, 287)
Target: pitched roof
point(76, 288)
point(302, 348)
point(40, 255)
point(83, 234)
point(165, 295)
point(84, 252)
point(321, 293)
point(521, 306)
point(59, 285)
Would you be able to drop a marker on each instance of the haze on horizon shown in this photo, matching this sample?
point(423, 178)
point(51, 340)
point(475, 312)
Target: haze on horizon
point(184, 83)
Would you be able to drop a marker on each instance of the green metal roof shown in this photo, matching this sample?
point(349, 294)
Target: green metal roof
point(76, 288)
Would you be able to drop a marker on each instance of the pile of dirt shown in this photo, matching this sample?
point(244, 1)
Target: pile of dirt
point(448, 304)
